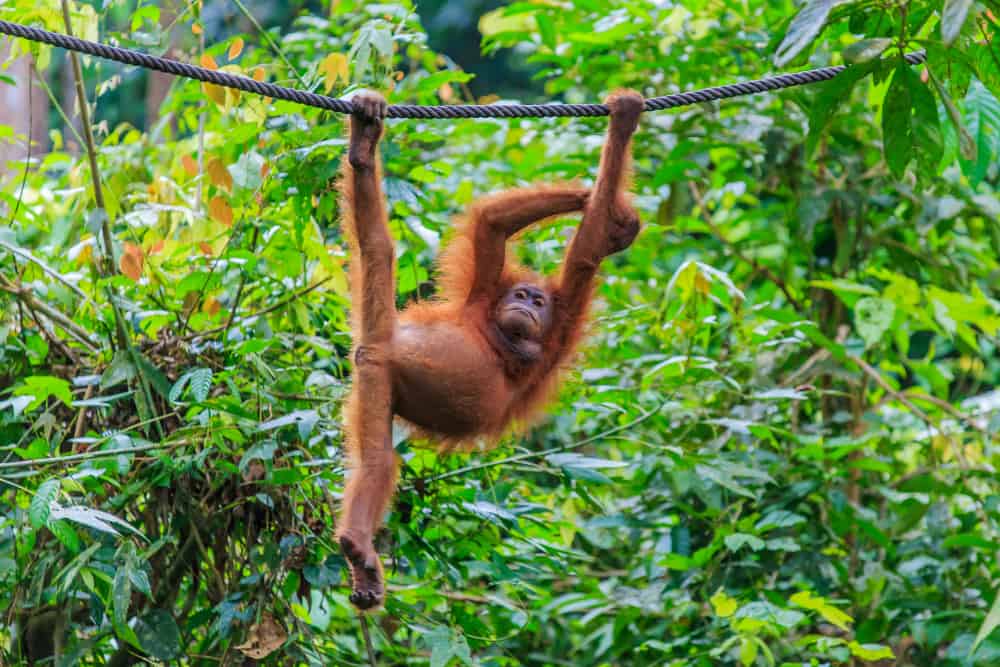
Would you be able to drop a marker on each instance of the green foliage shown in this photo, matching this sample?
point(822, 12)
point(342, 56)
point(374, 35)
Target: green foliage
point(778, 448)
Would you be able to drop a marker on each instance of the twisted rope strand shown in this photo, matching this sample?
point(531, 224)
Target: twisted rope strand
point(500, 110)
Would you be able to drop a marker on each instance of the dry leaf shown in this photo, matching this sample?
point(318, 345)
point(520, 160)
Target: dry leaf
point(218, 175)
point(131, 261)
point(196, 28)
point(205, 248)
point(190, 165)
point(211, 305)
point(219, 210)
point(208, 61)
point(264, 638)
point(258, 74)
point(156, 248)
point(236, 48)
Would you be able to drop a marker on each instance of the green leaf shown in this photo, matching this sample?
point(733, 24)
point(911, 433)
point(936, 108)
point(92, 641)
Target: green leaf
point(547, 30)
point(439, 642)
point(872, 318)
point(246, 172)
point(966, 144)
point(139, 579)
point(990, 623)
point(41, 387)
point(65, 533)
point(121, 595)
point(927, 138)
point(803, 30)
point(897, 129)
point(748, 650)
point(490, 512)
point(870, 652)
point(737, 541)
point(41, 503)
point(199, 380)
point(953, 17)
point(201, 383)
point(94, 518)
point(121, 370)
point(158, 634)
point(866, 50)
point(430, 83)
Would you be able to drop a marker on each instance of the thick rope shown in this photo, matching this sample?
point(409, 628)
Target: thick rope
point(500, 110)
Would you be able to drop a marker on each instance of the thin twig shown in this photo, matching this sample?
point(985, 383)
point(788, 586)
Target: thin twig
point(87, 456)
point(144, 399)
point(270, 41)
point(270, 309)
point(88, 135)
point(47, 270)
point(873, 373)
point(24, 295)
point(368, 639)
point(243, 284)
point(545, 452)
point(738, 254)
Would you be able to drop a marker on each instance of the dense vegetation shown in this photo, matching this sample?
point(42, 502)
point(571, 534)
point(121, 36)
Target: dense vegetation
point(780, 445)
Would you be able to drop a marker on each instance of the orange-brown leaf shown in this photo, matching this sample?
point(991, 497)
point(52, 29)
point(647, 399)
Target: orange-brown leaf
point(218, 175)
point(236, 48)
point(211, 305)
point(258, 74)
point(131, 261)
point(205, 248)
point(196, 28)
point(219, 210)
point(190, 165)
point(208, 61)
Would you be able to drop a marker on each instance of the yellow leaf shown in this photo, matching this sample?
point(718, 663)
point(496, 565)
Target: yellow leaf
point(236, 48)
point(196, 28)
point(215, 93)
point(871, 652)
point(131, 261)
point(334, 68)
point(823, 608)
point(723, 605)
point(86, 254)
point(219, 210)
point(190, 165)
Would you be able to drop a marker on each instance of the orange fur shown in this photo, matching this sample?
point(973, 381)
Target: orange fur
point(445, 366)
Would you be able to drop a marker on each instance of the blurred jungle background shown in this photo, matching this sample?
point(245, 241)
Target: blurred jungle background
point(779, 446)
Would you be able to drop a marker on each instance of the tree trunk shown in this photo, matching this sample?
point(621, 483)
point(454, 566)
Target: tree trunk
point(159, 83)
point(26, 110)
